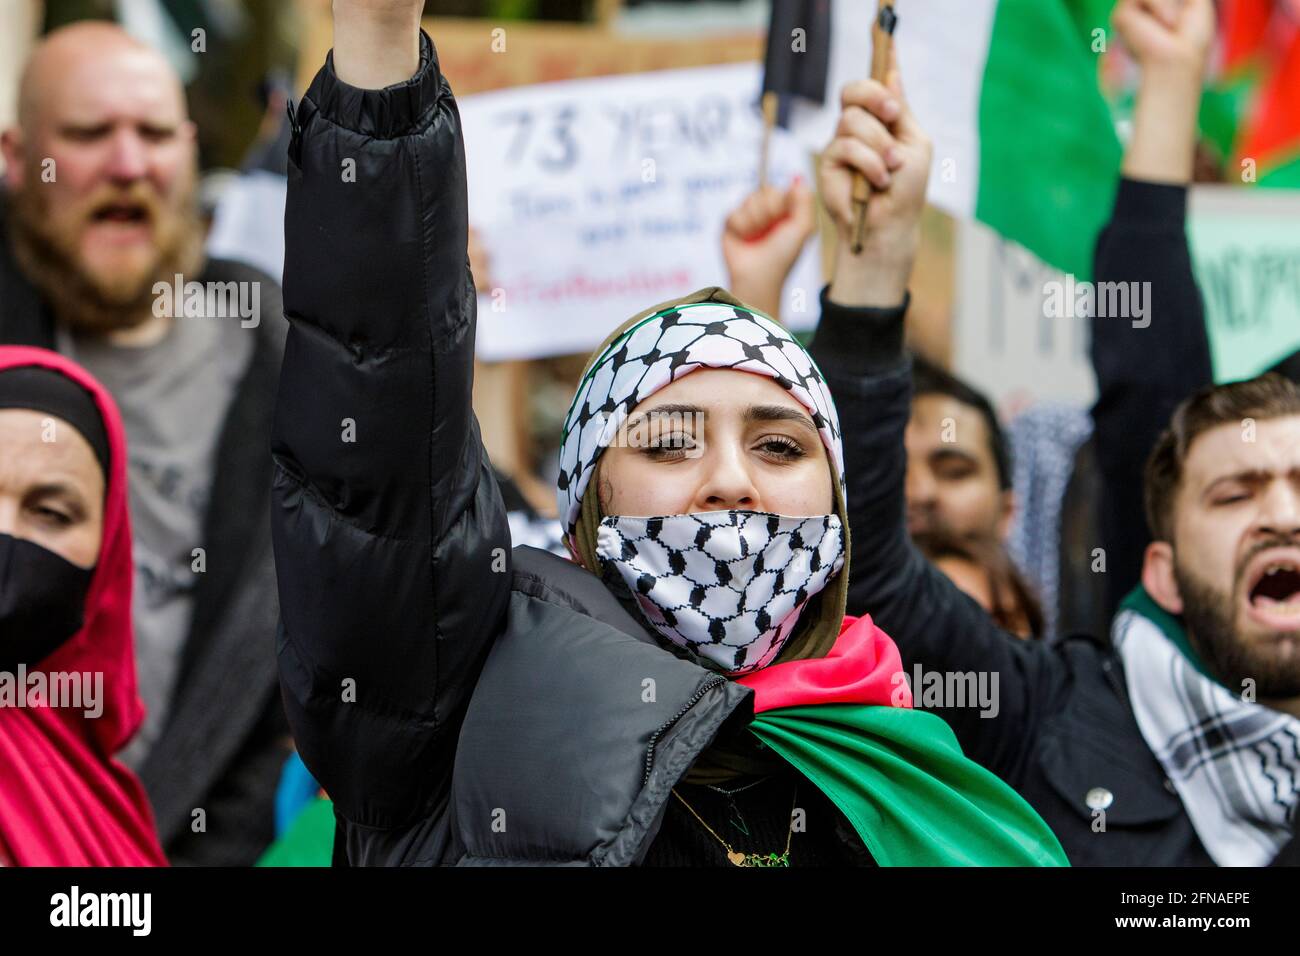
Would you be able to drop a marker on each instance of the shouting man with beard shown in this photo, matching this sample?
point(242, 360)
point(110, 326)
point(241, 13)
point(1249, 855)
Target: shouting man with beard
point(97, 216)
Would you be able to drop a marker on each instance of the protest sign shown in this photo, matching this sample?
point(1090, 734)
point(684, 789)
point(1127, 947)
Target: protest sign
point(1245, 248)
point(597, 198)
point(1003, 342)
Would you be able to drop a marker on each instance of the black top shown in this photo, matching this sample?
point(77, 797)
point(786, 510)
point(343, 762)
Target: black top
point(756, 818)
point(1143, 373)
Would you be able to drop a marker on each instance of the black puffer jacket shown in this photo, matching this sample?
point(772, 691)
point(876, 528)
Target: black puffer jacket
point(459, 702)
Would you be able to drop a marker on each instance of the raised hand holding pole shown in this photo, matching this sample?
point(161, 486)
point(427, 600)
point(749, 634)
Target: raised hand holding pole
point(882, 38)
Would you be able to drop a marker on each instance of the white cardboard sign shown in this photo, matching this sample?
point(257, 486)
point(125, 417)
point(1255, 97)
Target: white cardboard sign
point(599, 198)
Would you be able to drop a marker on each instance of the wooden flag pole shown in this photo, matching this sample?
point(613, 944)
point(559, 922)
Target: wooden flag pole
point(882, 38)
point(771, 104)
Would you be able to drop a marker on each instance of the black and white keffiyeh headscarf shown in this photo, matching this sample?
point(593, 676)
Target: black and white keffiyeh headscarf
point(729, 586)
point(661, 349)
point(1234, 762)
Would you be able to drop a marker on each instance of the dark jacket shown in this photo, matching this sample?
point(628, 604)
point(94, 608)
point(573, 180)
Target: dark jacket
point(1064, 727)
point(460, 703)
point(1142, 373)
point(226, 738)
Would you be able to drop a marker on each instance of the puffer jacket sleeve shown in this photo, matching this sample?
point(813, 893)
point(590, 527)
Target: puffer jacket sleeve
point(391, 541)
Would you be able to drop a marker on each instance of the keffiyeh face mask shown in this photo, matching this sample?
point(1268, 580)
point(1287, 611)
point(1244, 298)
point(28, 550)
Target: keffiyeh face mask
point(729, 586)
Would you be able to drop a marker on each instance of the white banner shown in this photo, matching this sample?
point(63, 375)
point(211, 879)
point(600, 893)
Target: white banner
point(1246, 254)
point(1004, 345)
point(599, 198)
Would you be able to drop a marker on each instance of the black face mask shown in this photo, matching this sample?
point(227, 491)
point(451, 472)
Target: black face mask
point(42, 601)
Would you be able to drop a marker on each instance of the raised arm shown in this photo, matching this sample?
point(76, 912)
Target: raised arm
point(859, 347)
point(391, 540)
point(1147, 363)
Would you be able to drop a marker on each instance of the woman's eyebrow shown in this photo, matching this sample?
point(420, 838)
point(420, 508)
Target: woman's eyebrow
point(778, 413)
point(53, 487)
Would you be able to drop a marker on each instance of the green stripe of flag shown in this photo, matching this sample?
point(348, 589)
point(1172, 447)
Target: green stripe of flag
point(1049, 155)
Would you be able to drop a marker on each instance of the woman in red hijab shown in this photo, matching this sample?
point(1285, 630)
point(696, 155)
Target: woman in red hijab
point(68, 700)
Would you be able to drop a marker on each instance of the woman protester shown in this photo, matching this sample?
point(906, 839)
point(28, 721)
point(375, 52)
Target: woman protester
point(68, 700)
point(688, 689)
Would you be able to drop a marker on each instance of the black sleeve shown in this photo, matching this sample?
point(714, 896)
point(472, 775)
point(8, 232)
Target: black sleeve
point(934, 624)
point(1145, 365)
point(391, 542)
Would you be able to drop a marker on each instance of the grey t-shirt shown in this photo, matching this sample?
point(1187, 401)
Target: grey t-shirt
point(173, 396)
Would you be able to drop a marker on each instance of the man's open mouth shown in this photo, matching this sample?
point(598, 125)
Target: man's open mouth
point(125, 213)
point(1274, 590)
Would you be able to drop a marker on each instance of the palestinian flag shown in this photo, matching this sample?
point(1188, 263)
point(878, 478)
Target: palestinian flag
point(1272, 137)
point(308, 841)
point(845, 722)
point(1008, 89)
point(1025, 137)
point(1249, 108)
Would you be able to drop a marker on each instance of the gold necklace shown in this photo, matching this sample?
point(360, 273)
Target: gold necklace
point(749, 859)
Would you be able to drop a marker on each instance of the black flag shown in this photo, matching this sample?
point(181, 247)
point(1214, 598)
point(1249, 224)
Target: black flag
point(798, 49)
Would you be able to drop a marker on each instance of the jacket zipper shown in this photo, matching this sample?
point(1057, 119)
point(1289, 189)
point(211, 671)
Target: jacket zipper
point(707, 686)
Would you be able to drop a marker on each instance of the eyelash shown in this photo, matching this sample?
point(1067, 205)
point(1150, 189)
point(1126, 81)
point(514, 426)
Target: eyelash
point(673, 447)
point(53, 516)
point(792, 449)
point(669, 447)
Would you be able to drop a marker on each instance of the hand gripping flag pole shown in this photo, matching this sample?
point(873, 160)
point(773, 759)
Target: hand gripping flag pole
point(882, 38)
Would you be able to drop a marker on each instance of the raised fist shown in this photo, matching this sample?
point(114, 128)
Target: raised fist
point(879, 137)
point(762, 239)
point(1167, 33)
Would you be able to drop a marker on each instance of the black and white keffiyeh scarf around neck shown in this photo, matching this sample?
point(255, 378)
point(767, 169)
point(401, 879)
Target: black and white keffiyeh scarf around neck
point(728, 586)
point(1234, 763)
